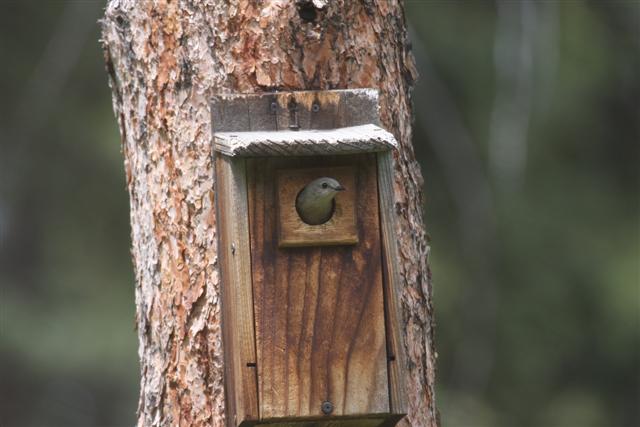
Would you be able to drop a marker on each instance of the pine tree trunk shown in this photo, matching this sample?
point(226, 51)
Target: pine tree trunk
point(165, 59)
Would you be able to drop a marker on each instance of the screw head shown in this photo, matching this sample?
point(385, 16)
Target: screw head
point(315, 107)
point(327, 407)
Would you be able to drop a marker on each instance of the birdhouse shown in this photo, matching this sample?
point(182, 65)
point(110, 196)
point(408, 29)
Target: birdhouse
point(308, 258)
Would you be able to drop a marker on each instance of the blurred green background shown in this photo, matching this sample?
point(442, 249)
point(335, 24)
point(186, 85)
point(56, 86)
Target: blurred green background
point(527, 130)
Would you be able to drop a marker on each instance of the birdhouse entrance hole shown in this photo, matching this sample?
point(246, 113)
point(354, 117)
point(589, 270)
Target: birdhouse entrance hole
point(301, 210)
point(340, 229)
point(311, 317)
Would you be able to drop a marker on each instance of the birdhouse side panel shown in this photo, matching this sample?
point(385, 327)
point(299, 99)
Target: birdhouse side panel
point(319, 311)
point(237, 306)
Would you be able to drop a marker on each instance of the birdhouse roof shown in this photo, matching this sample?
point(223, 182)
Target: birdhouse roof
point(345, 140)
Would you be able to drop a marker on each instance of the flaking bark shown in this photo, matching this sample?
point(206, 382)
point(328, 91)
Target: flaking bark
point(165, 59)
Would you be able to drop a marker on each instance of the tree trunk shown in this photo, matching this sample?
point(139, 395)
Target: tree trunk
point(165, 59)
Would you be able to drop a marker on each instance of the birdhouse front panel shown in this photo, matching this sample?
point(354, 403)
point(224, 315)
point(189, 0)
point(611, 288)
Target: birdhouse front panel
point(319, 310)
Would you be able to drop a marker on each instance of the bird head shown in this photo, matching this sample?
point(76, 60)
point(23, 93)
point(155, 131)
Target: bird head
point(324, 188)
point(315, 202)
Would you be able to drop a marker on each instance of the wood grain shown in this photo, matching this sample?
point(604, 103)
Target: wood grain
point(237, 297)
point(238, 112)
point(319, 311)
point(392, 287)
point(360, 421)
point(305, 142)
point(341, 227)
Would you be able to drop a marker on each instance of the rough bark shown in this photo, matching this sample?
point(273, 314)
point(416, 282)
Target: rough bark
point(165, 59)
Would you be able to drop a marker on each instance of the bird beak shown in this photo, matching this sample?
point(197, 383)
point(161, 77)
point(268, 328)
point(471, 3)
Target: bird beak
point(339, 188)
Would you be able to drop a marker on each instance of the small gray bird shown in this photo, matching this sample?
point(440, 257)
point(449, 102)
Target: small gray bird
point(315, 203)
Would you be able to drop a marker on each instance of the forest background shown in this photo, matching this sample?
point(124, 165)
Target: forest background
point(527, 130)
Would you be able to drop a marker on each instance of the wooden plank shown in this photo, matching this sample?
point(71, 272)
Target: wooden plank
point(346, 140)
point(262, 113)
point(327, 109)
point(392, 286)
point(229, 113)
point(237, 304)
point(387, 420)
point(319, 311)
point(358, 108)
point(339, 230)
point(284, 100)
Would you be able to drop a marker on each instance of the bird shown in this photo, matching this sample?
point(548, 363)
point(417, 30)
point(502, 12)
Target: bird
point(315, 202)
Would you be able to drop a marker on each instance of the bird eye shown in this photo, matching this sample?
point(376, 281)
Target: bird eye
point(325, 185)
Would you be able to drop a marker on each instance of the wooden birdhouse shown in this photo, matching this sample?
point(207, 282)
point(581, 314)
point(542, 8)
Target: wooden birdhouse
point(311, 314)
